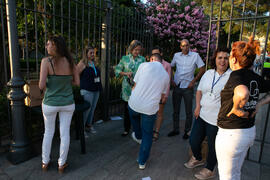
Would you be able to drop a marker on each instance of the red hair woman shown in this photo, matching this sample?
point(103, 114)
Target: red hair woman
point(238, 106)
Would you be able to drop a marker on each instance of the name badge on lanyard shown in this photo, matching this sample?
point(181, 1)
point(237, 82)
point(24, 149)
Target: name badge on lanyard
point(211, 96)
point(214, 83)
point(97, 80)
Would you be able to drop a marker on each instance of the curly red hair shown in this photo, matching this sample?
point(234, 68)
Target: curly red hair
point(245, 52)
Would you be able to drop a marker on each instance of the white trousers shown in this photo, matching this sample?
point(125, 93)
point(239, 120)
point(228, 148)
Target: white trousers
point(231, 149)
point(65, 116)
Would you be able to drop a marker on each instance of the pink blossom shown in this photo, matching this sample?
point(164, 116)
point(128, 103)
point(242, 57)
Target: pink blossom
point(159, 15)
point(159, 7)
point(187, 8)
point(171, 23)
point(195, 11)
point(192, 3)
point(188, 18)
point(181, 15)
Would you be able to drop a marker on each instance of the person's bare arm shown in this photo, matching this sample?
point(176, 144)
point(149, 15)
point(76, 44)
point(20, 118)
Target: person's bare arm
point(76, 76)
point(43, 74)
point(198, 76)
point(80, 67)
point(240, 98)
point(198, 104)
point(168, 89)
point(163, 98)
point(134, 86)
point(261, 102)
point(128, 74)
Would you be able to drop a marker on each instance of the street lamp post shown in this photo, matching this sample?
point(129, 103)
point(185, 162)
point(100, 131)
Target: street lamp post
point(106, 56)
point(20, 149)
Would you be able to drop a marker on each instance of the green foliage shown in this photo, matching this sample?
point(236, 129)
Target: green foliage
point(263, 8)
point(51, 24)
point(32, 63)
point(126, 3)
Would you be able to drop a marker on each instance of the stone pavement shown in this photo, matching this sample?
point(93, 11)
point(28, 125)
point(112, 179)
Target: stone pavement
point(112, 157)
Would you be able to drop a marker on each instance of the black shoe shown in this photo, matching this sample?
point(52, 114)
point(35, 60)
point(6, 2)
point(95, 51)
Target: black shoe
point(185, 136)
point(173, 133)
point(125, 133)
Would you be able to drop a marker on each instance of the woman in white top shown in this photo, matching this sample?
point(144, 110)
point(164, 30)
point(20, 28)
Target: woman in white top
point(206, 111)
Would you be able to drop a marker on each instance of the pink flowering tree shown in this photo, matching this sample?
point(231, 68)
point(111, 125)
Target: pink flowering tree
point(173, 21)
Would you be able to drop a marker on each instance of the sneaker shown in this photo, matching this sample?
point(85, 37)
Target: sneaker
point(205, 174)
point(124, 134)
point(173, 133)
point(185, 136)
point(87, 128)
point(142, 167)
point(86, 134)
point(92, 130)
point(139, 141)
point(192, 163)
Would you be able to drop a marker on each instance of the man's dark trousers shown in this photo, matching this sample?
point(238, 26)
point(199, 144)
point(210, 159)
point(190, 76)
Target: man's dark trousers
point(177, 95)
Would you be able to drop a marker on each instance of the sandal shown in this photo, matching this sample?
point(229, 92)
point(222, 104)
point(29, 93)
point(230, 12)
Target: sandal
point(44, 167)
point(155, 135)
point(62, 168)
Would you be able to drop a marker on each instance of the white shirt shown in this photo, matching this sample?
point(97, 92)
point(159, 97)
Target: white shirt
point(185, 67)
point(151, 81)
point(210, 102)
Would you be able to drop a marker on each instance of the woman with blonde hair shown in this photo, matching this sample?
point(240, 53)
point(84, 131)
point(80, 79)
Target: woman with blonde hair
point(57, 74)
point(127, 67)
point(90, 85)
point(239, 99)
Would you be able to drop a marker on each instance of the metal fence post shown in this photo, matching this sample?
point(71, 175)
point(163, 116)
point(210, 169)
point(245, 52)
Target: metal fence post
point(106, 57)
point(20, 149)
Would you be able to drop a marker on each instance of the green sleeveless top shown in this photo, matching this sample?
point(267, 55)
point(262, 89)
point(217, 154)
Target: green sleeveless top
point(58, 89)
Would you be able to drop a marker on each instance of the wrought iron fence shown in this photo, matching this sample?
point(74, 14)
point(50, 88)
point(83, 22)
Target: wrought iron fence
point(81, 23)
point(247, 20)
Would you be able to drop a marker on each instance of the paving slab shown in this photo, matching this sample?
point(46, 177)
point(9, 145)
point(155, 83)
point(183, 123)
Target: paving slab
point(112, 157)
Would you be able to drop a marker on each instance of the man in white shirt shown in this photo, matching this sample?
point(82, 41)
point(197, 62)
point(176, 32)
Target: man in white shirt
point(151, 82)
point(186, 63)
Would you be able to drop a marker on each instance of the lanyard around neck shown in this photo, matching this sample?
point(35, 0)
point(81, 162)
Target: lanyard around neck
point(213, 82)
point(93, 66)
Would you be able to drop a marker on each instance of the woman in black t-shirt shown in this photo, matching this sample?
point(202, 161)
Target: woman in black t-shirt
point(239, 100)
point(90, 85)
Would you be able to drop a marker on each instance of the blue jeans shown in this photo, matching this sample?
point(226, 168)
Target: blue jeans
point(92, 98)
point(142, 125)
point(178, 94)
point(201, 129)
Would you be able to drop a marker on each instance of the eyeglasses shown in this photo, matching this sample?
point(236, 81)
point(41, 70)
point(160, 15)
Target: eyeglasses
point(186, 45)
